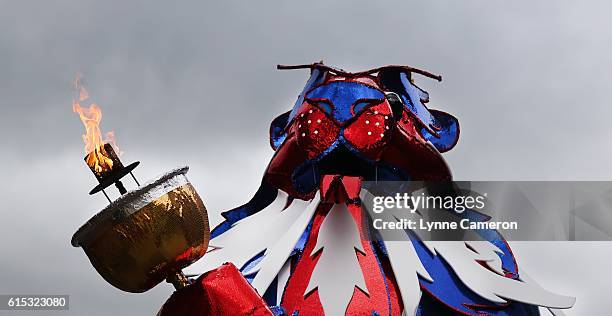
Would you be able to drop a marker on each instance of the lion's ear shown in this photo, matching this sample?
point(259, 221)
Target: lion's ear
point(317, 77)
point(278, 125)
point(277, 130)
point(440, 128)
point(447, 136)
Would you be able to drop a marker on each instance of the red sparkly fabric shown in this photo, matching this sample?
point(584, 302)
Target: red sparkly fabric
point(407, 150)
point(286, 159)
point(223, 291)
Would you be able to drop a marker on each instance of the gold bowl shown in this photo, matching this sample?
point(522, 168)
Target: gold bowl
point(147, 235)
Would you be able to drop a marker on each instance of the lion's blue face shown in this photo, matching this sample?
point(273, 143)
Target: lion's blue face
point(342, 100)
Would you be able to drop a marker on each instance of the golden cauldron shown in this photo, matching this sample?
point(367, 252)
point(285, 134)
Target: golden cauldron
point(148, 235)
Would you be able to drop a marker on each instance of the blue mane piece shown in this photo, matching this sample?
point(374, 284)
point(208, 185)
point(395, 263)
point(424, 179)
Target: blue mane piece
point(265, 195)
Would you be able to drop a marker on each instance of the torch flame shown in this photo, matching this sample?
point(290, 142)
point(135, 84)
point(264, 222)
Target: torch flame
point(97, 157)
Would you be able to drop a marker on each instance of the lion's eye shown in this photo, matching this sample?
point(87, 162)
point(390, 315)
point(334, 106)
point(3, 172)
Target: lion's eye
point(323, 105)
point(360, 106)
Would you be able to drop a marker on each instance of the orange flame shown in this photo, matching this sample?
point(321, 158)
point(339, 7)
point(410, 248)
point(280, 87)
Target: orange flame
point(97, 157)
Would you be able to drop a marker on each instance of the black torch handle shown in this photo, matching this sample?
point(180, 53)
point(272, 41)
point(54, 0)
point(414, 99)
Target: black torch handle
point(120, 187)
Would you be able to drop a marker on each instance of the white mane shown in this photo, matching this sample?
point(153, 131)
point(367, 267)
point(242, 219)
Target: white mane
point(276, 231)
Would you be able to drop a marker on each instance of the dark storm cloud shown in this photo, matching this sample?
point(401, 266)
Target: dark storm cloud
point(196, 83)
point(514, 73)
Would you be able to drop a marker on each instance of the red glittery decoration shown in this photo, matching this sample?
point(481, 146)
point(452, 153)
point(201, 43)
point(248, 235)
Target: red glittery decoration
point(370, 130)
point(223, 291)
point(314, 130)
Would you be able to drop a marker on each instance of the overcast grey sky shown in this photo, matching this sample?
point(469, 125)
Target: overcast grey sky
point(195, 83)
